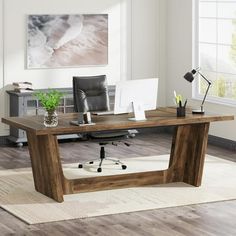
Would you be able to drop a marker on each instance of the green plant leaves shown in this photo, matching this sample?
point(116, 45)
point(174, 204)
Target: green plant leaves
point(49, 100)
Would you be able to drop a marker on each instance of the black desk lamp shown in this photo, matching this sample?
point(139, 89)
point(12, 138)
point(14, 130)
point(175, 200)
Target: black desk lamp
point(189, 76)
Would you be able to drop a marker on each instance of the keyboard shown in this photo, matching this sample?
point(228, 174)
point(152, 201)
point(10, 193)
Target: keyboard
point(102, 113)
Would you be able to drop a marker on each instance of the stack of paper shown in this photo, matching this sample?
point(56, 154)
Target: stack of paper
point(22, 87)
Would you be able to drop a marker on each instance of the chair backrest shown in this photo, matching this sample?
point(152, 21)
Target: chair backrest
point(90, 93)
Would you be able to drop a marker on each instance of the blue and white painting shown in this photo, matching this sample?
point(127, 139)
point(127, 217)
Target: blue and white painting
point(56, 41)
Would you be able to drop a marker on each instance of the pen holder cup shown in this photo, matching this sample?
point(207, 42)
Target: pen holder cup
point(181, 111)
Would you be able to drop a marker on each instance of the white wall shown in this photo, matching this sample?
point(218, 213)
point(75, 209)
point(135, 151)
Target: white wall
point(148, 35)
point(1, 46)
point(144, 30)
point(128, 21)
point(2, 93)
point(179, 60)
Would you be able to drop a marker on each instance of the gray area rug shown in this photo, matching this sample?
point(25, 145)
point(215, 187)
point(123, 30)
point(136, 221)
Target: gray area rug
point(17, 194)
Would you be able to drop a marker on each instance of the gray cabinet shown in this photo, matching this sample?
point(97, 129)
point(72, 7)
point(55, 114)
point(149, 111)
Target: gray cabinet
point(25, 104)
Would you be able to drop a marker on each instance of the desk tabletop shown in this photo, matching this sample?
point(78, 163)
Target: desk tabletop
point(165, 116)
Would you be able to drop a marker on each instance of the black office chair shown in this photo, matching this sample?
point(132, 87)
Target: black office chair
point(90, 95)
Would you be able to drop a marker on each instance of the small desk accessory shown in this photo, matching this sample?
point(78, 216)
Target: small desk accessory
point(181, 108)
point(87, 117)
point(84, 119)
point(75, 122)
point(189, 76)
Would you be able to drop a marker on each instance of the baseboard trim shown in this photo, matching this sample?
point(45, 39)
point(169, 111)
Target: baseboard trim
point(222, 142)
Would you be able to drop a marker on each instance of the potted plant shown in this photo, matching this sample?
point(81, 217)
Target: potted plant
point(50, 100)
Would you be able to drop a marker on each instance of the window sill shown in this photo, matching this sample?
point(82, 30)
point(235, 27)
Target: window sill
point(228, 103)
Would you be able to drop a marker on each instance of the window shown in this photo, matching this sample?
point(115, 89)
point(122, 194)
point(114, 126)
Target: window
point(216, 49)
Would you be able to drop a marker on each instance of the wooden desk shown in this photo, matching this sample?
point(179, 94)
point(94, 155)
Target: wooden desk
point(186, 159)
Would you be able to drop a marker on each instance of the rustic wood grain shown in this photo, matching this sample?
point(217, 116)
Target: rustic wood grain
point(46, 165)
point(159, 117)
point(188, 153)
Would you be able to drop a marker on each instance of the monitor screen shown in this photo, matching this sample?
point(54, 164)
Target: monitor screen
point(136, 95)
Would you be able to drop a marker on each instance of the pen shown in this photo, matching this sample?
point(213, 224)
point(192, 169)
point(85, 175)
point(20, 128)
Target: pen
point(185, 103)
point(180, 103)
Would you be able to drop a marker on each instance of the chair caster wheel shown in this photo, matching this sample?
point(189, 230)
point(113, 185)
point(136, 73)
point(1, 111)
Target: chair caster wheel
point(124, 167)
point(19, 145)
point(99, 169)
point(91, 162)
point(80, 166)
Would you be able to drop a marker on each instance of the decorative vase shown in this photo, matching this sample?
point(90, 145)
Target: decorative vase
point(50, 119)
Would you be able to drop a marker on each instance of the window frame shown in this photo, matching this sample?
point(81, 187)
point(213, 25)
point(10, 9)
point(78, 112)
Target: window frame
point(196, 60)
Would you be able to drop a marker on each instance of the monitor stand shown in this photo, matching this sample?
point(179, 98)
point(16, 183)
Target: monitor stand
point(139, 113)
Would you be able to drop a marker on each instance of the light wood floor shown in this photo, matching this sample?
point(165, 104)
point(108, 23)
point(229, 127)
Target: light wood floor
point(204, 219)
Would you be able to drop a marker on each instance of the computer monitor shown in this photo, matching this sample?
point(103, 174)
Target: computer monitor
point(136, 96)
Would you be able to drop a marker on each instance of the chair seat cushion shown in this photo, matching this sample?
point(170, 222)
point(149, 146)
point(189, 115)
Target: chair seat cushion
point(109, 135)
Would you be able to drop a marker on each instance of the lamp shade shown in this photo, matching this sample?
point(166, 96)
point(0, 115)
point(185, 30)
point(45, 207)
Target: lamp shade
point(189, 76)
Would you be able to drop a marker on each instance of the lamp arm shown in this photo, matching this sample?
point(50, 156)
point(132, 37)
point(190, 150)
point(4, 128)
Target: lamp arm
point(209, 84)
point(208, 81)
point(205, 95)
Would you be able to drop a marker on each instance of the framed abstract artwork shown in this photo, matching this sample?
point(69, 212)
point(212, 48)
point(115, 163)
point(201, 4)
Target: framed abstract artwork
point(56, 41)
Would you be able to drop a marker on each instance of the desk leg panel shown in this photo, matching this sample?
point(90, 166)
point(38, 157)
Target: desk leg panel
point(188, 153)
point(46, 165)
point(196, 154)
point(116, 181)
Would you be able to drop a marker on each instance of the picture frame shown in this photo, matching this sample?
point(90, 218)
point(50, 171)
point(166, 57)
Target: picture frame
point(59, 41)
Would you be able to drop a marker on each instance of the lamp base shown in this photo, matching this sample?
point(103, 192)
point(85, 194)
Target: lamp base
point(199, 111)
